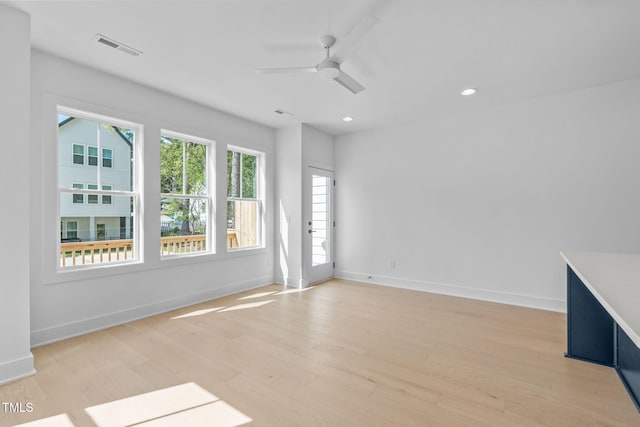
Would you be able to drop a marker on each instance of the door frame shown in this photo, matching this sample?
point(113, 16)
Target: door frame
point(311, 274)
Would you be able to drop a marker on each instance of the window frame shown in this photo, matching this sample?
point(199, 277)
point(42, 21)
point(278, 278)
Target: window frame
point(209, 197)
point(77, 186)
point(260, 196)
point(110, 158)
point(89, 156)
point(74, 230)
point(74, 154)
point(136, 192)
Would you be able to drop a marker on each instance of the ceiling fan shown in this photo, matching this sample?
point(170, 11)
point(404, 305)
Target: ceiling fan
point(329, 67)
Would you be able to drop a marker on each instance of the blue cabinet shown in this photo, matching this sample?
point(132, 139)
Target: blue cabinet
point(594, 336)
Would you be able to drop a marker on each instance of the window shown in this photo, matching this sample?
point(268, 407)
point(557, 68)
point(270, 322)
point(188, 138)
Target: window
point(107, 223)
point(244, 200)
point(78, 154)
point(92, 156)
point(92, 199)
point(106, 199)
point(78, 198)
point(72, 230)
point(107, 157)
point(185, 194)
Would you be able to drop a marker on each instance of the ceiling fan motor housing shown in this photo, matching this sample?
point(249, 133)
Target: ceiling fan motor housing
point(328, 69)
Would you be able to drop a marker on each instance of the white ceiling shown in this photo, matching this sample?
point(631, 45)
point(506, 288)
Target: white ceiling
point(413, 63)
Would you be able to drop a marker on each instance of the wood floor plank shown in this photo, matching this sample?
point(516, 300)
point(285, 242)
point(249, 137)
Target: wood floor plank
point(340, 353)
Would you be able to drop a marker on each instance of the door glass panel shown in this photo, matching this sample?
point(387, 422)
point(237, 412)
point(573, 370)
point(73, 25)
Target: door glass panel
point(320, 243)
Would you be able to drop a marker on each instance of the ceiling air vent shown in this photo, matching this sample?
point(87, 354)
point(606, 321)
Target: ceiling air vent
point(117, 45)
point(281, 112)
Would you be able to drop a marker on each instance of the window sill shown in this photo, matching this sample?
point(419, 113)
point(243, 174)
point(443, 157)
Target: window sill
point(81, 273)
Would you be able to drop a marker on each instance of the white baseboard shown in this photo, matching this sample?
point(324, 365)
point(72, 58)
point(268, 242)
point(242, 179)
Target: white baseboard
point(292, 282)
point(16, 369)
point(458, 291)
point(81, 327)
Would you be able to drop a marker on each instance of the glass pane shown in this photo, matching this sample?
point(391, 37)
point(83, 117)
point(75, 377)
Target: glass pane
point(96, 235)
point(92, 156)
point(94, 134)
point(183, 167)
point(78, 198)
point(171, 171)
point(233, 173)
point(183, 225)
point(106, 200)
point(320, 220)
point(249, 168)
point(242, 224)
point(196, 171)
point(78, 154)
point(107, 157)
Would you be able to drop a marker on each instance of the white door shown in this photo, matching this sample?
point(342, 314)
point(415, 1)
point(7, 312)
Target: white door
point(318, 225)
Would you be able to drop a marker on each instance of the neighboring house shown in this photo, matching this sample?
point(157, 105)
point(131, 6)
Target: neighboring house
point(84, 146)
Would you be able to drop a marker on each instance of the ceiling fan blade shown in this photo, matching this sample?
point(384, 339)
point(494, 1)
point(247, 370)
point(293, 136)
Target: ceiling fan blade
point(285, 70)
point(347, 81)
point(351, 42)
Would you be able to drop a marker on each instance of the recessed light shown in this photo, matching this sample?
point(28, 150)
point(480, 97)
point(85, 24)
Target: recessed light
point(347, 119)
point(469, 91)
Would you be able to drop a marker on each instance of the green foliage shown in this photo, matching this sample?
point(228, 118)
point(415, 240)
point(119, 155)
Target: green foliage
point(249, 165)
point(182, 167)
point(183, 171)
point(241, 175)
point(241, 180)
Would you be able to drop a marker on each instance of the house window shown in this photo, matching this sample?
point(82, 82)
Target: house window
point(92, 199)
point(107, 157)
point(185, 190)
point(78, 198)
point(78, 154)
point(106, 199)
point(110, 210)
point(72, 230)
point(244, 199)
point(92, 156)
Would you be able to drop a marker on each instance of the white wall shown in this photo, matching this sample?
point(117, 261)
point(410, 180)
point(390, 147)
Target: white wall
point(15, 357)
point(288, 206)
point(298, 146)
point(317, 152)
point(317, 148)
point(70, 303)
point(480, 204)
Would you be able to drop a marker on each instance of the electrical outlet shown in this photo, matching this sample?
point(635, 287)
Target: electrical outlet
point(394, 264)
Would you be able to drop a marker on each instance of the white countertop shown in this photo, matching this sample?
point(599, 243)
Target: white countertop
point(614, 279)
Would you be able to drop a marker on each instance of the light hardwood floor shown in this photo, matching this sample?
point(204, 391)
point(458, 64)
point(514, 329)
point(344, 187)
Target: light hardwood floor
point(338, 354)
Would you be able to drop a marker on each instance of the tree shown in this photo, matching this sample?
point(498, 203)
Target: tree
point(183, 171)
point(241, 180)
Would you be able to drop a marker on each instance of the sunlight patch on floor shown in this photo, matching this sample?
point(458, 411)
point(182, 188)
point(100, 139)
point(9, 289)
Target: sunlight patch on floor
point(61, 420)
point(294, 291)
point(186, 404)
point(219, 414)
point(258, 295)
point(197, 313)
point(247, 305)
